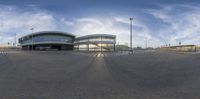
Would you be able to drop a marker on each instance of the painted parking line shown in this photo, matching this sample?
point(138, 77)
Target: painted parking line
point(3, 53)
point(100, 55)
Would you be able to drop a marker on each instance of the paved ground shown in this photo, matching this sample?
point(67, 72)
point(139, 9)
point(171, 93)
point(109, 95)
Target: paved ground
point(75, 75)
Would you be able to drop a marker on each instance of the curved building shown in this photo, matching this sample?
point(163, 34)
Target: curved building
point(95, 42)
point(47, 40)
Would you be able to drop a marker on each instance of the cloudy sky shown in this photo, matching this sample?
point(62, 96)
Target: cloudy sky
point(159, 21)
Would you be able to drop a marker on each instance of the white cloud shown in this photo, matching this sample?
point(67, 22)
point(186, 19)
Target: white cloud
point(66, 22)
point(184, 23)
point(14, 20)
point(118, 26)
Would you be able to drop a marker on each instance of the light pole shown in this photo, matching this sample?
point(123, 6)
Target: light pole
point(32, 29)
point(15, 39)
point(131, 22)
point(101, 44)
point(146, 42)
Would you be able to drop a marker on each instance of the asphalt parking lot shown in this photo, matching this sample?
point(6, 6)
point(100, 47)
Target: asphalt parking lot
point(77, 75)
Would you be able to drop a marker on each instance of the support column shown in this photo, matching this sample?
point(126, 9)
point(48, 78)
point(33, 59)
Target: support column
point(88, 44)
point(114, 43)
point(114, 47)
point(78, 45)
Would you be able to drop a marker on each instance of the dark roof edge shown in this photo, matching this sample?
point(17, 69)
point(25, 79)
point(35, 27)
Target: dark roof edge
point(43, 32)
point(94, 35)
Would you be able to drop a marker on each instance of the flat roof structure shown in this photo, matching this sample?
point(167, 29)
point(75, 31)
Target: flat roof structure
point(96, 36)
point(47, 40)
point(95, 42)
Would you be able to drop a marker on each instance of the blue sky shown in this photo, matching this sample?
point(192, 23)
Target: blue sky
point(159, 21)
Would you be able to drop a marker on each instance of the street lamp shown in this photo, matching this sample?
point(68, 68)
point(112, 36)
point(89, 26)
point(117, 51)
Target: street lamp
point(131, 48)
point(32, 29)
point(146, 42)
point(15, 39)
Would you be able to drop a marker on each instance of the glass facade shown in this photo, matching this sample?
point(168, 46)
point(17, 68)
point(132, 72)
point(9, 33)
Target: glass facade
point(47, 40)
point(99, 42)
point(96, 42)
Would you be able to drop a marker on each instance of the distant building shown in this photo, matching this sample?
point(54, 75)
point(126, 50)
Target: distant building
point(184, 48)
point(52, 40)
point(122, 48)
point(95, 42)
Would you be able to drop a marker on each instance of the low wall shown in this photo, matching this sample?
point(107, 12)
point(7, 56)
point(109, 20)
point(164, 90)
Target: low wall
point(183, 48)
point(4, 48)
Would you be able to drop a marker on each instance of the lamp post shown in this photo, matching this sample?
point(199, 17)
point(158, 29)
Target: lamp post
point(146, 42)
point(131, 48)
point(101, 45)
point(32, 29)
point(15, 40)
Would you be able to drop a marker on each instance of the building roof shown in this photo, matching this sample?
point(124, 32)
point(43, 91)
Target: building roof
point(48, 32)
point(95, 35)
